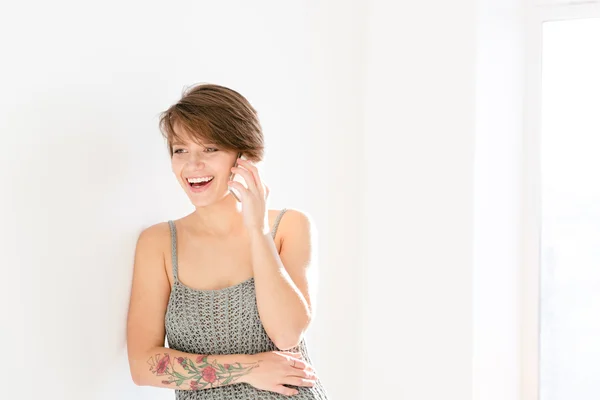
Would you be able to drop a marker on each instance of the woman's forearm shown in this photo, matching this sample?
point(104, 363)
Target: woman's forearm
point(282, 308)
point(169, 368)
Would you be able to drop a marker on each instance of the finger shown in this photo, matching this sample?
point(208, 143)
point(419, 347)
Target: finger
point(243, 191)
point(248, 166)
point(284, 390)
point(255, 173)
point(248, 178)
point(296, 355)
point(296, 381)
point(301, 373)
point(265, 190)
point(298, 363)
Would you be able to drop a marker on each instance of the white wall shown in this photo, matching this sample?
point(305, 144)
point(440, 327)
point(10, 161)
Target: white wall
point(373, 112)
point(84, 168)
point(419, 144)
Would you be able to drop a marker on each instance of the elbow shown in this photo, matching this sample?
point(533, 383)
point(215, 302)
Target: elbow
point(289, 342)
point(134, 371)
point(293, 338)
point(136, 378)
point(138, 366)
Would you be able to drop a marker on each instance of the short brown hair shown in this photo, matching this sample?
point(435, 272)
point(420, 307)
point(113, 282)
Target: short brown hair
point(217, 115)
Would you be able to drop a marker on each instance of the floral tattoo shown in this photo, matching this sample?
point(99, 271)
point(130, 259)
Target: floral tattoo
point(199, 374)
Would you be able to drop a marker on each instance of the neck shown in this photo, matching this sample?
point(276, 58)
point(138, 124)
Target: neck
point(223, 218)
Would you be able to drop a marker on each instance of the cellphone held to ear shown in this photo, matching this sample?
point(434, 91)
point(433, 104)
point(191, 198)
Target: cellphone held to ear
point(237, 178)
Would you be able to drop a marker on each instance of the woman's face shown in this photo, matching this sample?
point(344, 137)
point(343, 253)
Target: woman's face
point(207, 161)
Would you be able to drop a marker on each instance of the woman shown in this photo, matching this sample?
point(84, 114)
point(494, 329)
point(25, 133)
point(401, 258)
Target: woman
point(228, 285)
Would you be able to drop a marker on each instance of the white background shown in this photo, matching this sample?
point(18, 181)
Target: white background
point(397, 125)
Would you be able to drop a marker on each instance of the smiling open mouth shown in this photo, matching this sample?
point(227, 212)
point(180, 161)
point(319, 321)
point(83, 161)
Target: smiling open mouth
point(199, 184)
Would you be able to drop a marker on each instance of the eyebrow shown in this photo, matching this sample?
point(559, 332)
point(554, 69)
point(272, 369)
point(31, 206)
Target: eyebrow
point(183, 144)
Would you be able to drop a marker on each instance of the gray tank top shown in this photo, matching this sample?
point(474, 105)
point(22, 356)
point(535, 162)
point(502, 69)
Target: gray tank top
point(223, 321)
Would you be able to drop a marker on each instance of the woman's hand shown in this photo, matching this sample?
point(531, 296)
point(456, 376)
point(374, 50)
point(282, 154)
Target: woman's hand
point(254, 198)
point(278, 368)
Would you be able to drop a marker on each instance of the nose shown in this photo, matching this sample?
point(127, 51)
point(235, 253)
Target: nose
point(196, 161)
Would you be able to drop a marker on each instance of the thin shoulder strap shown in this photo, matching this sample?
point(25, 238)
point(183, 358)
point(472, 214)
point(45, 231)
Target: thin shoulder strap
point(277, 220)
point(173, 248)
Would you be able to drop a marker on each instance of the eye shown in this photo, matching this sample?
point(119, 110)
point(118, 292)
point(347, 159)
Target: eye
point(208, 149)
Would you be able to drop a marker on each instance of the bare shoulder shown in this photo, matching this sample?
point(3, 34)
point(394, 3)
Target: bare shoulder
point(155, 239)
point(295, 221)
point(155, 234)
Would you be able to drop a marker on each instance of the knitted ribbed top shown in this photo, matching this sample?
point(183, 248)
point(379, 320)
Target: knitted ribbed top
point(223, 321)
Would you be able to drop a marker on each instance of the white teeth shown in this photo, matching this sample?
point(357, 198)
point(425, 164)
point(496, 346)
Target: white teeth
point(198, 180)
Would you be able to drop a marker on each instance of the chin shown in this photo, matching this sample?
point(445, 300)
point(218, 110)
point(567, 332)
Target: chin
point(205, 201)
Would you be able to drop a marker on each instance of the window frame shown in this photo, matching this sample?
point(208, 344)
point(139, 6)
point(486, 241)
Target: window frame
point(537, 12)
